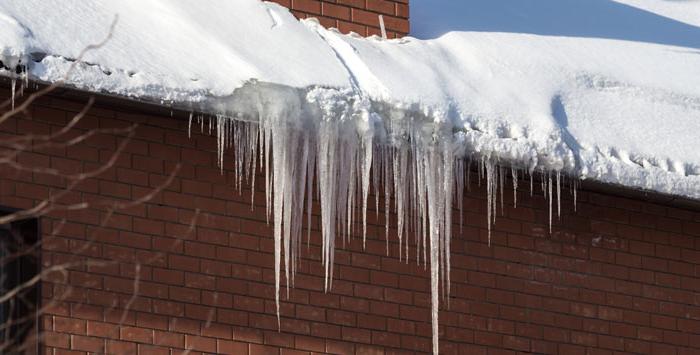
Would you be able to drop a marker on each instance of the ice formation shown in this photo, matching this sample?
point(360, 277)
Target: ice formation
point(344, 144)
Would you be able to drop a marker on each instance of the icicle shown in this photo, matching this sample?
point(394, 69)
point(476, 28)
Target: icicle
point(12, 84)
point(25, 82)
point(267, 139)
point(366, 160)
point(558, 194)
point(418, 166)
point(491, 193)
point(309, 195)
point(448, 182)
point(221, 141)
point(459, 194)
point(189, 126)
point(549, 198)
point(514, 176)
point(543, 183)
point(387, 195)
point(434, 293)
point(376, 169)
point(501, 178)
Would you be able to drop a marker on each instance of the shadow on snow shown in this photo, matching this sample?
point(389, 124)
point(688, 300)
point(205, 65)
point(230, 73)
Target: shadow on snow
point(569, 18)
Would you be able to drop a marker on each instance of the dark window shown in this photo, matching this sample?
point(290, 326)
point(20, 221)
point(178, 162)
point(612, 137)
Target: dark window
point(19, 291)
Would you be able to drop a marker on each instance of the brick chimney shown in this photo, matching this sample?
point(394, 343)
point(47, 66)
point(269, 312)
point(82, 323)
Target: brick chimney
point(360, 16)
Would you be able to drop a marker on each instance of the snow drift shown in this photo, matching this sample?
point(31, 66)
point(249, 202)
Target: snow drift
point(604, 90)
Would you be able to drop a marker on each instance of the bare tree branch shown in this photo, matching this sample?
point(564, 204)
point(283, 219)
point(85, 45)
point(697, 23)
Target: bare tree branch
point(58, 273)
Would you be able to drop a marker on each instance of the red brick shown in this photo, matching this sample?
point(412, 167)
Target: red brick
point(200, 343)
point(335, 11)
point(381, 6)
point(365, 17)
point(54, 339)
point(140, 335)
point(120, 347)
point(606, 281)
point(402, 10)
point(168, 339)
point(68, 325)
point(231, 347)
point(309, 6)
point(152, 350)
point(184, 263)
point(91, 344)
point(353, 3)
point(256, 349)
point(347, 27)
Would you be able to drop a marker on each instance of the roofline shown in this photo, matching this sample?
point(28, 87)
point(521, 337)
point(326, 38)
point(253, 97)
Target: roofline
point(141, 106)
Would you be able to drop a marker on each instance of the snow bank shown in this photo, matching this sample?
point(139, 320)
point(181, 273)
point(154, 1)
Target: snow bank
point(598, 89)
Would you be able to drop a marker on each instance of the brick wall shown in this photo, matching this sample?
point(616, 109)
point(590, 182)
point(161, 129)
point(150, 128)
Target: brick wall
point(619, 275)
point(360, 16)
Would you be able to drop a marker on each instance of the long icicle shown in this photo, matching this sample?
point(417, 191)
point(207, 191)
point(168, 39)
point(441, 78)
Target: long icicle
point(422, 172)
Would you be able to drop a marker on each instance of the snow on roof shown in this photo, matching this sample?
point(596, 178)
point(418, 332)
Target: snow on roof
point(168, 50)
point(606, 90)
